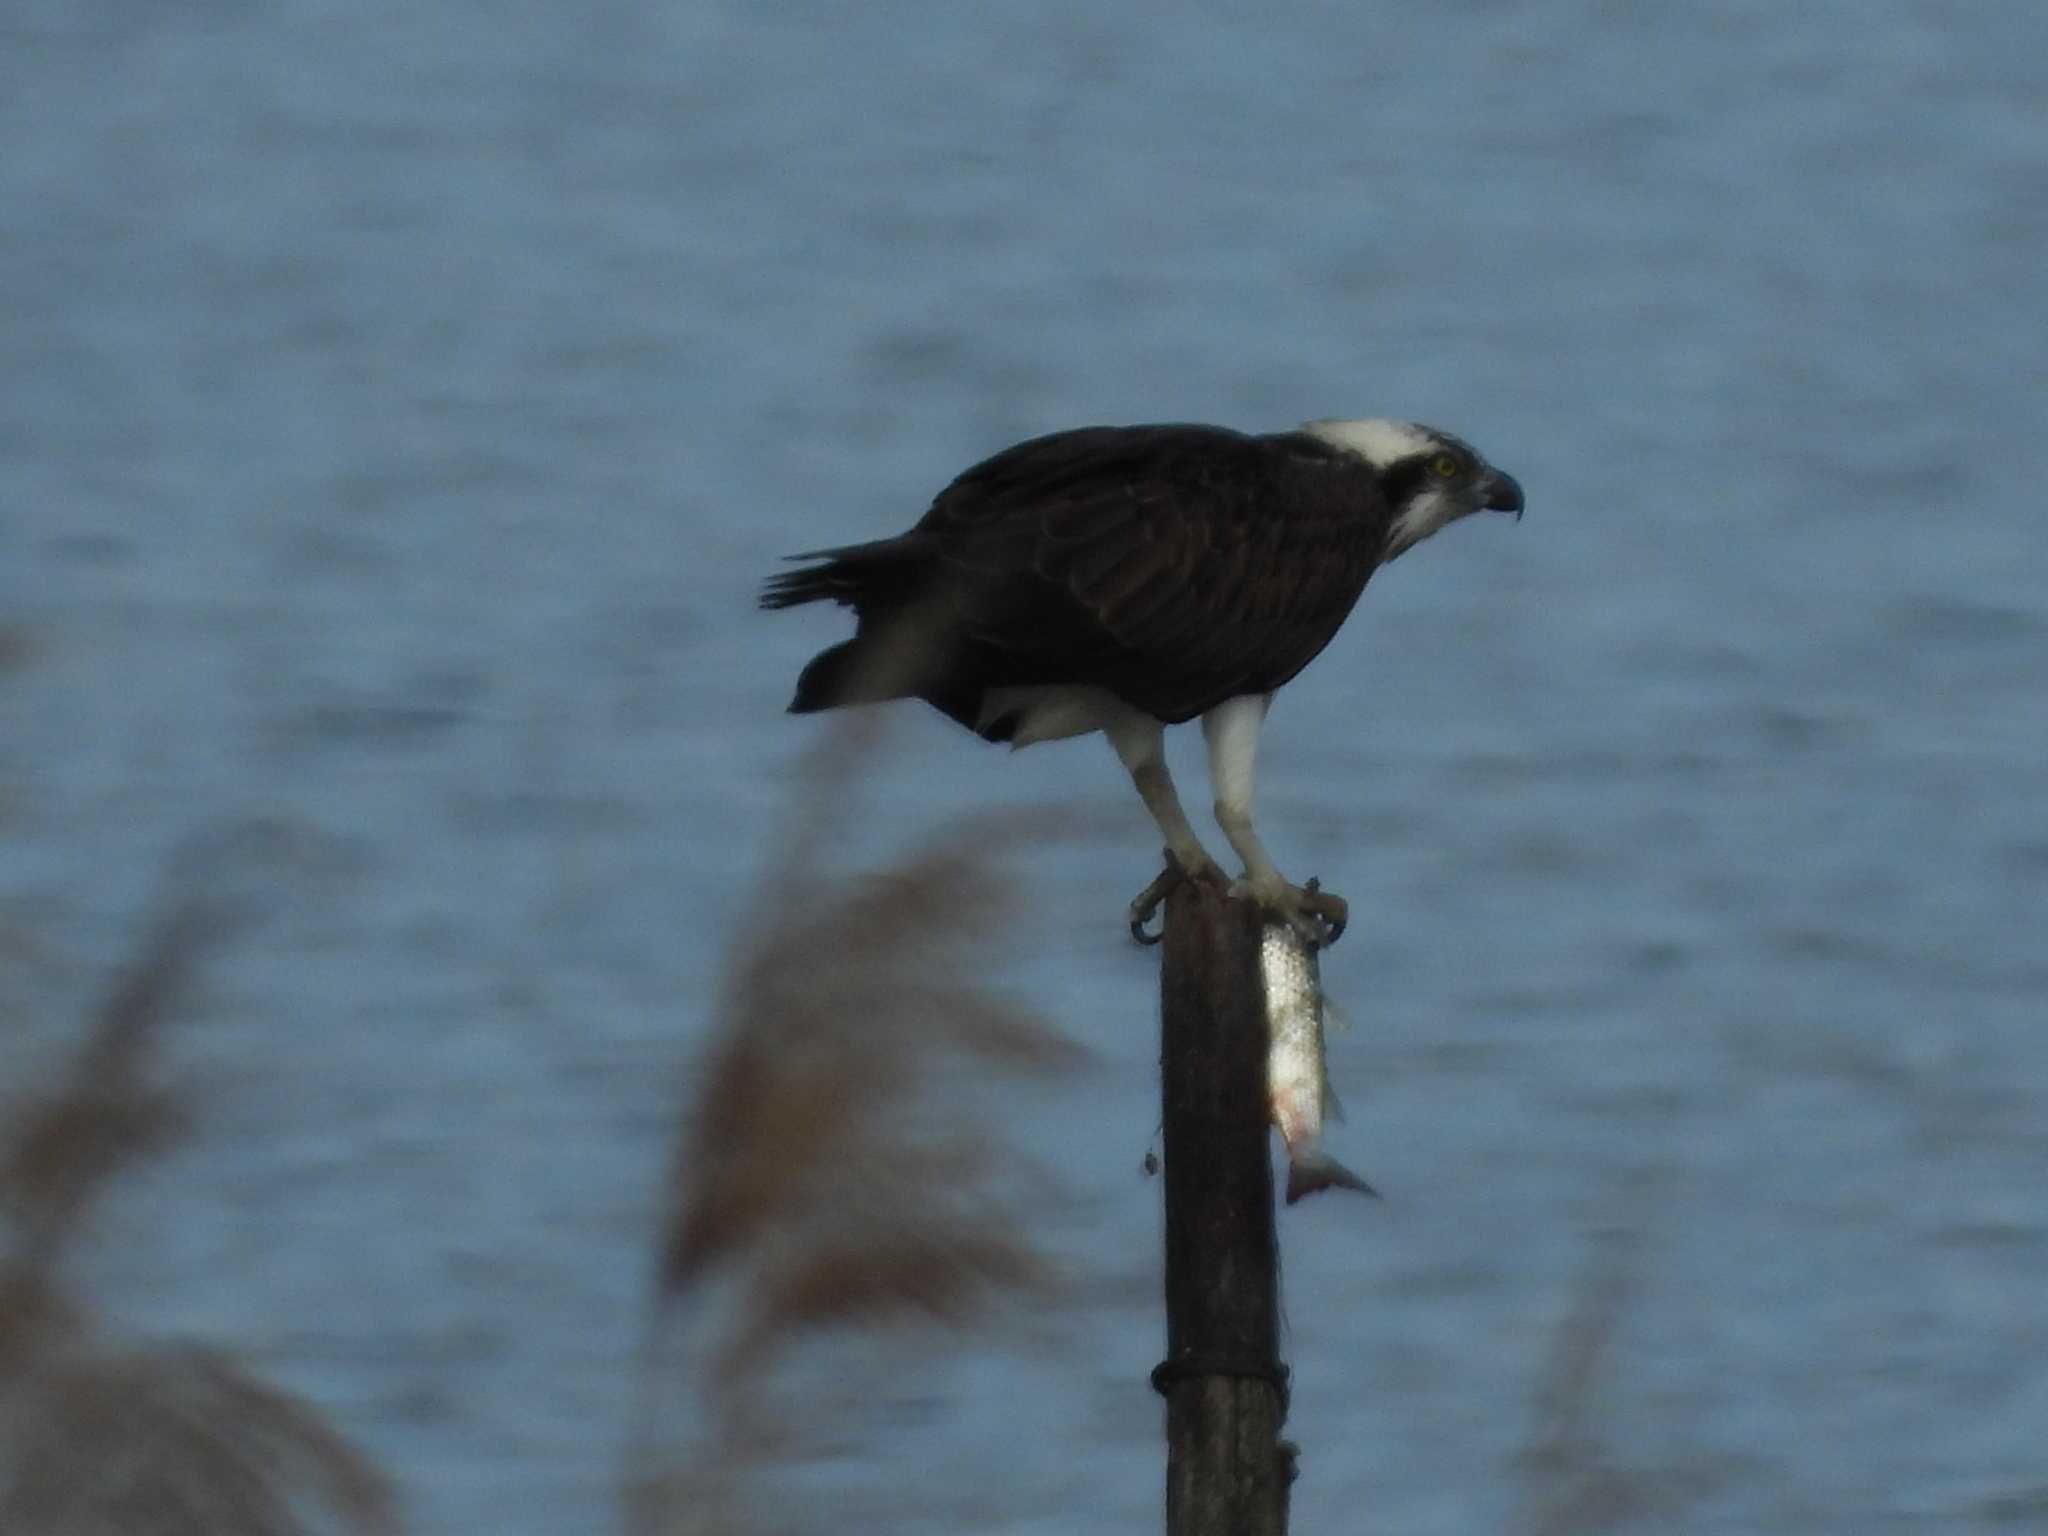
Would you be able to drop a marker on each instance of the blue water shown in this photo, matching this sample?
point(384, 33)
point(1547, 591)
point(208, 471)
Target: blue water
point(401, 402)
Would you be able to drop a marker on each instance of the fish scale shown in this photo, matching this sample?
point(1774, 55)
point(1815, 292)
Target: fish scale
point(1298, 1095)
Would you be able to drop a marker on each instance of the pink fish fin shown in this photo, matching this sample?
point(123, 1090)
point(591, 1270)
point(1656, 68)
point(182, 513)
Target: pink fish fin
point(1318, 1170)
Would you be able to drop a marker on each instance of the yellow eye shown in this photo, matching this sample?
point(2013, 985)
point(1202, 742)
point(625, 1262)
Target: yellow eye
point(1444, 464)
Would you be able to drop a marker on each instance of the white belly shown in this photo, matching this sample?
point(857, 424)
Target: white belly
point(1054, 712)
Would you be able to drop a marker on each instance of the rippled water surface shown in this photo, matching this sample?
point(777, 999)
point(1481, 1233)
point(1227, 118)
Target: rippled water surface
point(401, 403)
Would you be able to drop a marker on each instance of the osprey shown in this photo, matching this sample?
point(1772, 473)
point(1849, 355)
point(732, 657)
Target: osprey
point(1124, 579)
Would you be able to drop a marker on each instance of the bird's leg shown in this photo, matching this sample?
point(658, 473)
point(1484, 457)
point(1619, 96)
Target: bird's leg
point(1140, 743)
point(1231, 730)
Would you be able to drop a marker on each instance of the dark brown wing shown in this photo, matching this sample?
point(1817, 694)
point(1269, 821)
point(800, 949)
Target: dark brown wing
point(1177, 566)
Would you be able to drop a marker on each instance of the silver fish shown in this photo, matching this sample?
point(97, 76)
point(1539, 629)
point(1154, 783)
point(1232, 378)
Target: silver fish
point(1298, 1092)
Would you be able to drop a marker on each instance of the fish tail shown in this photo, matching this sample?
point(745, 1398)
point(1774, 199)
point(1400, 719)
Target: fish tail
point(1316, 1170)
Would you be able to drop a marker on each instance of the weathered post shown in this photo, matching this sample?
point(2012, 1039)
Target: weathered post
point(1227, 1470)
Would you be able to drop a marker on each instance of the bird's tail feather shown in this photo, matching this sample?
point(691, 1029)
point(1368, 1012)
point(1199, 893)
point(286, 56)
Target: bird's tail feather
point(852, 574)
point(810, 585)
point(847, 673)
point(901, 646)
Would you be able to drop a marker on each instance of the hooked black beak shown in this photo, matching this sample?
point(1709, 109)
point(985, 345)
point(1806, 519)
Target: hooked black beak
point(1503, 494)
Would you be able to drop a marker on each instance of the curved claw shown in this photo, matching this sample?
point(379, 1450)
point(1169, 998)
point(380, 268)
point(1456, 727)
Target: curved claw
point(1331, 909)
point(1317, 916)
point(1148, 901)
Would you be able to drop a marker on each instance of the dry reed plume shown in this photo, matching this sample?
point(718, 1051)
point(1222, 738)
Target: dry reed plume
point(1570, 1484)
point(837, 1171)
point(104, 1438)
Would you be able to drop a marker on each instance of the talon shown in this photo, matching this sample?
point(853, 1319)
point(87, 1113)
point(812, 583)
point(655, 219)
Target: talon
point(1317, 915)
point(1331, 909)
point(1149, 900)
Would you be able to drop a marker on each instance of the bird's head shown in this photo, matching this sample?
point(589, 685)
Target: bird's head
point(1430, 478)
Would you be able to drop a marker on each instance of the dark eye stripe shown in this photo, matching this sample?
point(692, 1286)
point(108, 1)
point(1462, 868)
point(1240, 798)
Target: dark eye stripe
point(1406, 479)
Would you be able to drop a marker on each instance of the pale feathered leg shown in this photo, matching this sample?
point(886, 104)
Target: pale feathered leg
point(1140, 743)
point(1231, 731)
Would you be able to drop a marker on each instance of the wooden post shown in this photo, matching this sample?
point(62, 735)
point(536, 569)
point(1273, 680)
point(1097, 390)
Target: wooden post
point(1227, 1470)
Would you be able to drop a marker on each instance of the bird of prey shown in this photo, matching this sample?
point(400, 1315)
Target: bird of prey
point(1124, 579)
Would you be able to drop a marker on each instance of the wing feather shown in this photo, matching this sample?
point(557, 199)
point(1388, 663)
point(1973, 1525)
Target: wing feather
point(1177, 566)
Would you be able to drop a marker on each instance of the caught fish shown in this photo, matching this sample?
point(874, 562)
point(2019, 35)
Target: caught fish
point(1298, 1092)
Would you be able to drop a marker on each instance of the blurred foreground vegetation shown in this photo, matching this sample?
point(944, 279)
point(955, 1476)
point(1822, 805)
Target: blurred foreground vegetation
point(837, 1191)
